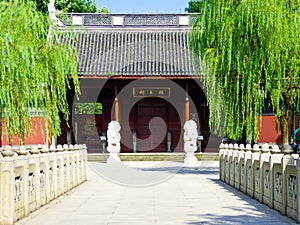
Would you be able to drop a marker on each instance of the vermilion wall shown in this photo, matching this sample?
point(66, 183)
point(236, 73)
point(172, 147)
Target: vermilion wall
point(268, 133)
point(37, 136)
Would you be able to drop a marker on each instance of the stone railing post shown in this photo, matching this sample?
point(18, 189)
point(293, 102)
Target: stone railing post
point(248, 169)
point(35, 182)
point(60, 169)
point(53, 170)
point(286, 160)
point(7, 186)
point(80, 162)
point(226, 164)
point(44, 159)
point(76, 157)
point(256, 172)
point(298, 186)
point(72, 166)
point(265, 174)
point(21, 183)
point(221, 161)
point(67, 175)
point(242, 174)
point(84, 161)
point(275, 158)
point(236, 166)
point(230, 180)
point(264, 169)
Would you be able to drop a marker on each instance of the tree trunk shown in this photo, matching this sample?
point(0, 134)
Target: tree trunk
point(284, 127)
point(285, 119)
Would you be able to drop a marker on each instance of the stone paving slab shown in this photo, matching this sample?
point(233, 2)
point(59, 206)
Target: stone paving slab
point(154, 193)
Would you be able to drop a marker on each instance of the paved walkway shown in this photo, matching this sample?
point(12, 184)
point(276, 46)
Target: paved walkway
point(154, 193)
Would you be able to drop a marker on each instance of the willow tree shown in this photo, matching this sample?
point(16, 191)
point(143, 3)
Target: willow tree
point(251, 57)
point(34, 71)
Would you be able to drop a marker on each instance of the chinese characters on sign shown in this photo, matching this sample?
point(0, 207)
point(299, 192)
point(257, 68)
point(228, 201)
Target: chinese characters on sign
point(151, 92)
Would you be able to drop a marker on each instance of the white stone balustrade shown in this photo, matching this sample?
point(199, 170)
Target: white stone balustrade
point(266, 173)
point(33, 176)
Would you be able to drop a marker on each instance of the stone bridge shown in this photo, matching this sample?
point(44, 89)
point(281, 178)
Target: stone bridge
point(37, 187)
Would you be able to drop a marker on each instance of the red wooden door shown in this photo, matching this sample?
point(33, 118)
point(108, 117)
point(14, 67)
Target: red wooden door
point(152, 125)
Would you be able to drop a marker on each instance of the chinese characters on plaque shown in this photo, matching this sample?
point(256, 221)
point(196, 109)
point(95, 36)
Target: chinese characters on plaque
point(151, 92)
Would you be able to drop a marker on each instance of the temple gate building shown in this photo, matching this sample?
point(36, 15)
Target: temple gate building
point(135, 68)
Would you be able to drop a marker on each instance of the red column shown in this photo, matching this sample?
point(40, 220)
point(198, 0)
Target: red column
point(187, 102)
point(187, 109)
point(117, 109)
point(116, 103)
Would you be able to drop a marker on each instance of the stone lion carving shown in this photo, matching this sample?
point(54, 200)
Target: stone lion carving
point(190, 136)
point(190, 142)
point(113, 135)
point(113, 141)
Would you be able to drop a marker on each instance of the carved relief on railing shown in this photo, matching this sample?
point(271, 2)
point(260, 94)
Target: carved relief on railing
point(257, 176)
point(31, 184)
point(278, 187)
point(236, 167)
point(242, 173)
point(18, 189)
point(65, 172)
point(250, 173)
point(292, 187)
point(42, 181)
point(267, 179)
point(51, 181)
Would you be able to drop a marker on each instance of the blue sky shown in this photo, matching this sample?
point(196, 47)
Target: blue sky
point(144, 6)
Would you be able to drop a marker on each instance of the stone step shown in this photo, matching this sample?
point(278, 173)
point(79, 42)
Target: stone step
point(177, 157)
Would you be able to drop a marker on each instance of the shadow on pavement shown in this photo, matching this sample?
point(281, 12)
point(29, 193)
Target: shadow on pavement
point(262, 213)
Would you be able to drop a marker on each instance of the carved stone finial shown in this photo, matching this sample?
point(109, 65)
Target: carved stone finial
point(52, 13)
point(44, 149)
point(59, 148)
point(21, 151)
point(275, 149)
point(51, 6)
point(34, 150)
point(7, 151)
point(52, 148)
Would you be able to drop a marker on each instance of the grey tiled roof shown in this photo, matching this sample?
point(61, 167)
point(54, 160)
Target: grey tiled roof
point(141, 50)
point(135, 53)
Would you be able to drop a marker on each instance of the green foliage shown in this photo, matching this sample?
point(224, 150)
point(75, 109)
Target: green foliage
point(194, 6)
point(72, 6)
point(34, 71)
point(89, 108)
point(104, 10)
point(251, 52)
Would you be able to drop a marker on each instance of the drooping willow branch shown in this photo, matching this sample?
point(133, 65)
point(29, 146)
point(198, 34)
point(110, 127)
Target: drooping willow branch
point(34, 73)
point(251, 53)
